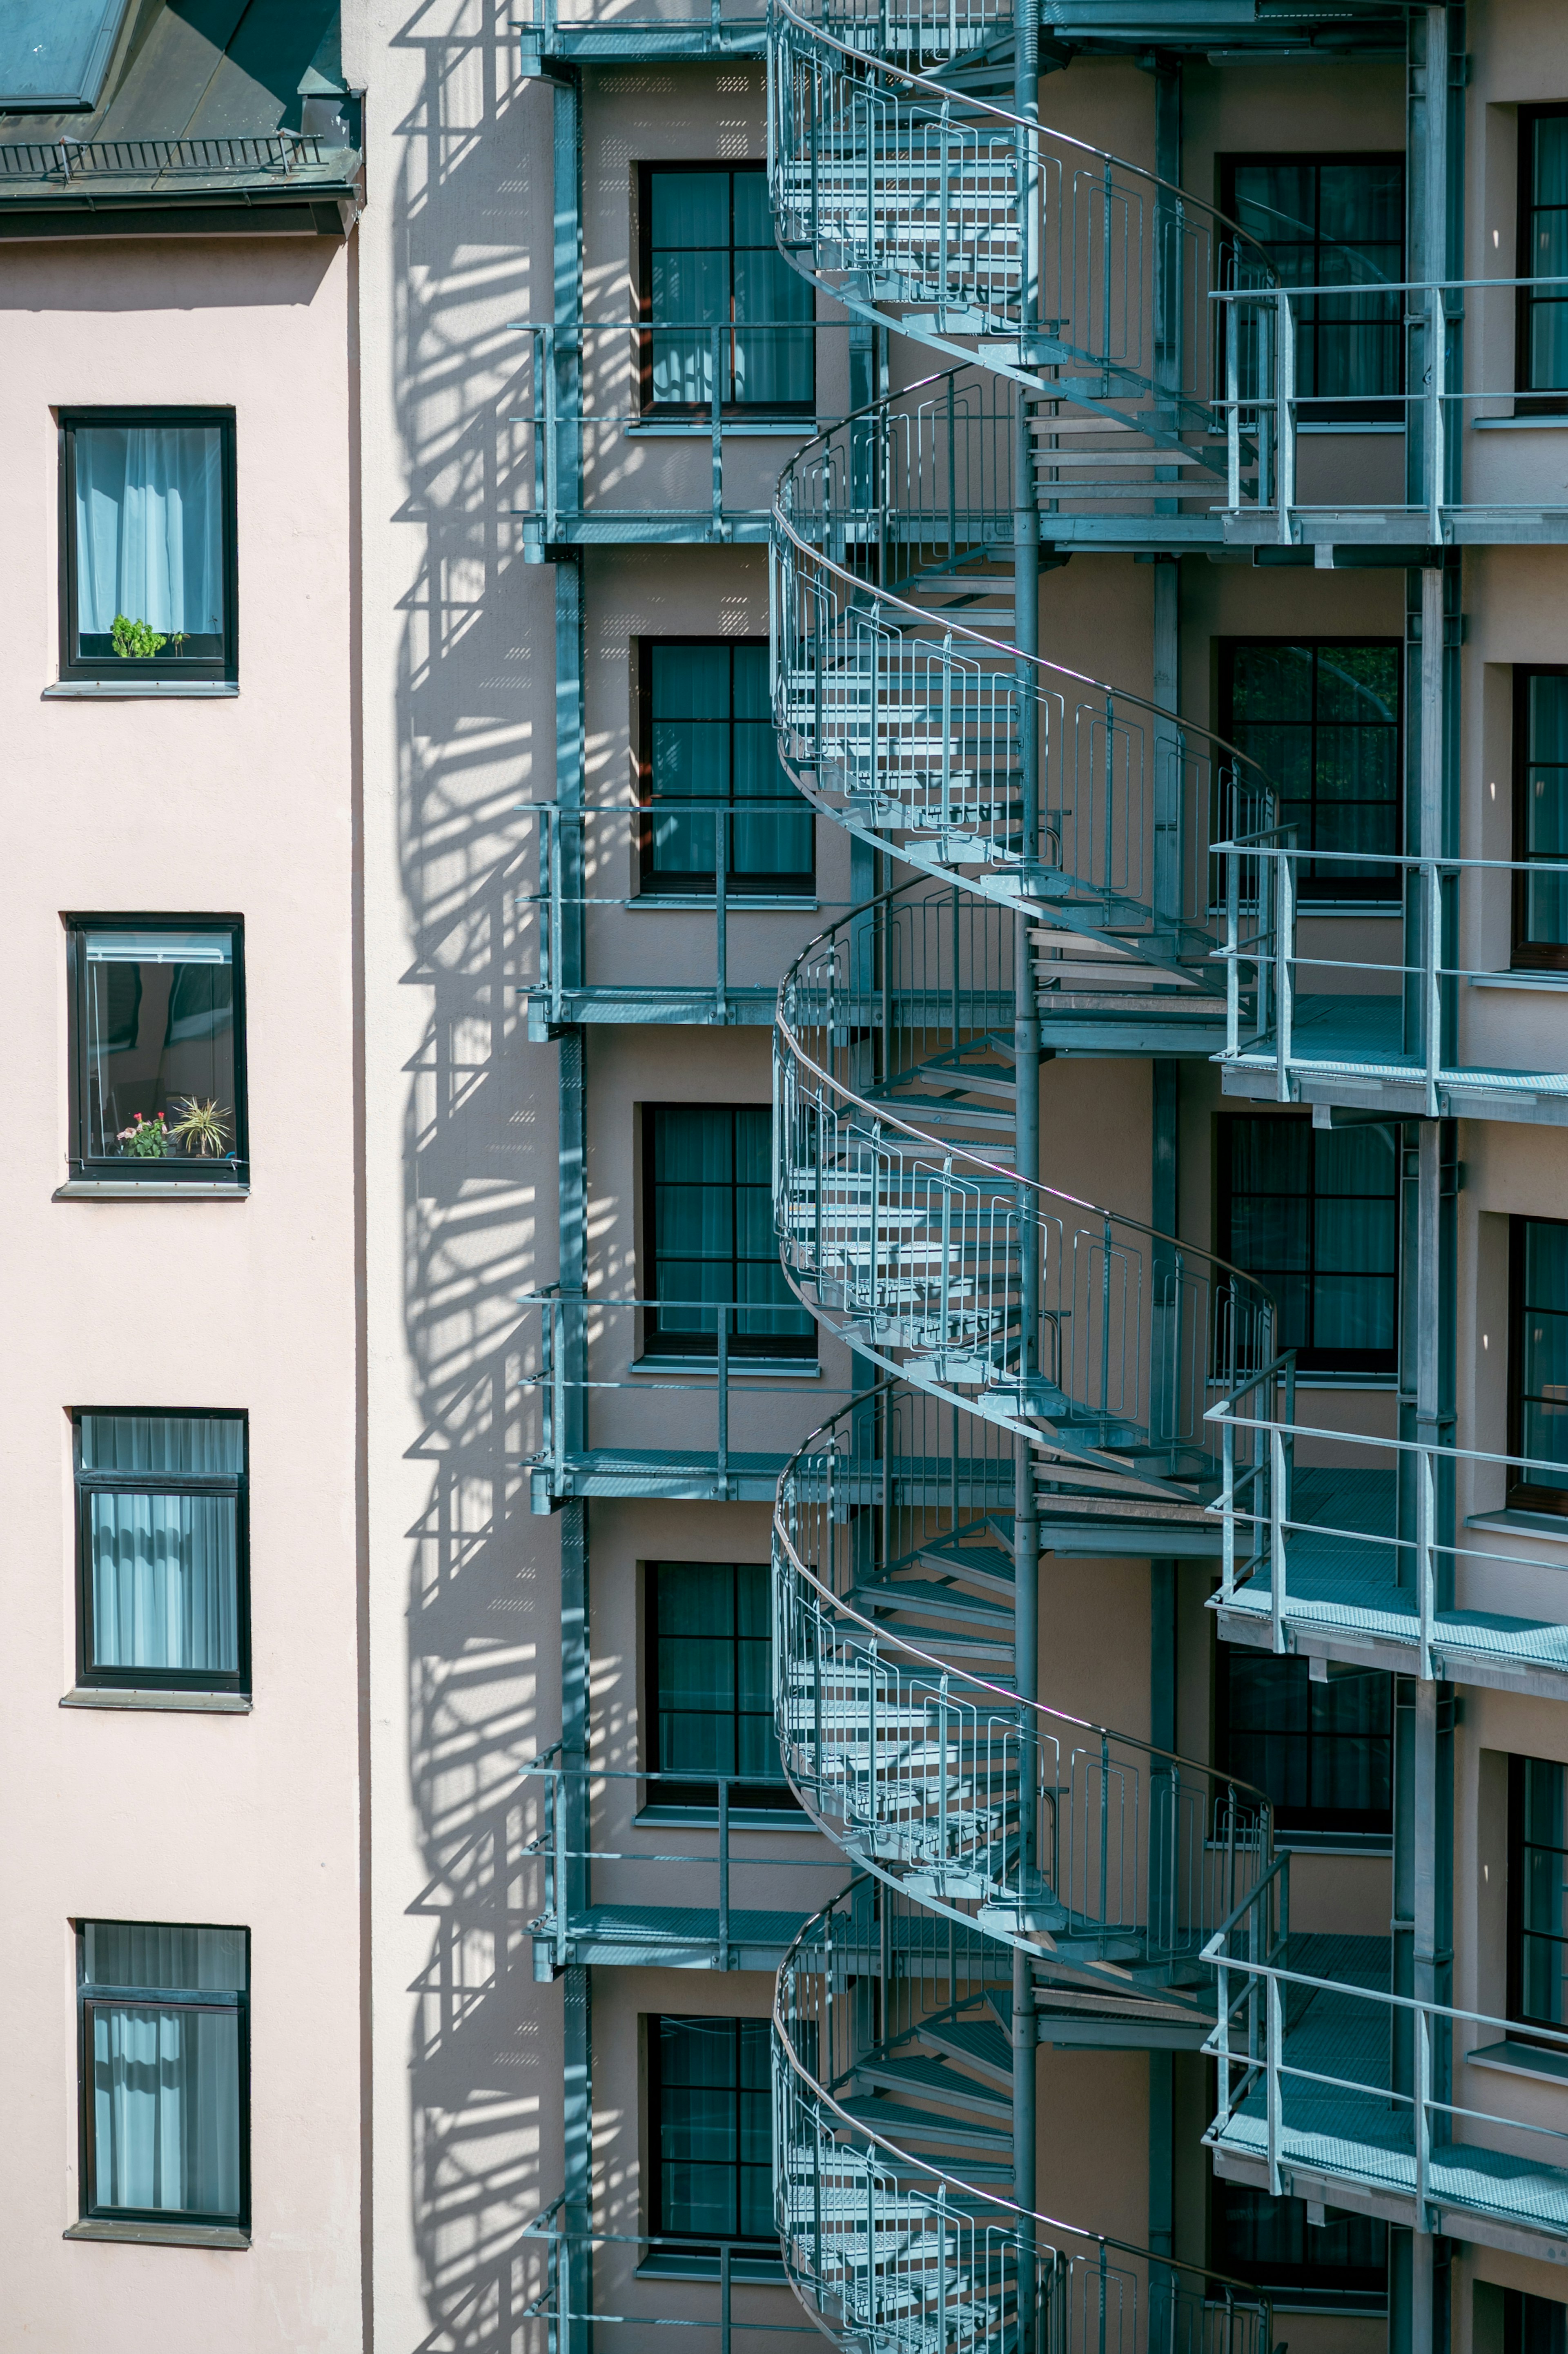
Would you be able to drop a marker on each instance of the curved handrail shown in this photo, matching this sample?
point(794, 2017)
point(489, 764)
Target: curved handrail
point(998, 2243)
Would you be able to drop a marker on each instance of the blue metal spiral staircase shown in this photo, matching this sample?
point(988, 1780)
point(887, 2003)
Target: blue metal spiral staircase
point(1047, 1364)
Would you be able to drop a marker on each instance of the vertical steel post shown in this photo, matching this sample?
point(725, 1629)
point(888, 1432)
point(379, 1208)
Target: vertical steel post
point(1026, 1074)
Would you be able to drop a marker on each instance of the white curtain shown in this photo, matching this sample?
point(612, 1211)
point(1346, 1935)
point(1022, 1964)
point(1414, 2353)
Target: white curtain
point(164, 1569)
point(166, 2091)
point(149, 527)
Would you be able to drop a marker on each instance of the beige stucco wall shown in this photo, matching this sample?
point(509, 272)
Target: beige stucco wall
point(237, 806)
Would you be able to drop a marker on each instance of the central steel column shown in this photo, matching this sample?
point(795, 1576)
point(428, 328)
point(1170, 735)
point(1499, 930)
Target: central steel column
point(1026, 1072)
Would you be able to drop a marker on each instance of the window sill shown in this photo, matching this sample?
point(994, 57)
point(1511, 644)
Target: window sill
point(1347, 1381)
point(1341, 1843)
point(671, 2265)
point(1533, 1525)
point(1371, 425)
point(169, 1189)
point(741, 1819)
point(737, 904)
point(114, 690)
point(1558, 980)
point(776, 1369)
point(134, 1696)
point(1511, 2059)
point(1519, 424)
point(796, 429)
point(159, 2235)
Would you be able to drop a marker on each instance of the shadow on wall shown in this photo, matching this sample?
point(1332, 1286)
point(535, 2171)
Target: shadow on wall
point(474, 709)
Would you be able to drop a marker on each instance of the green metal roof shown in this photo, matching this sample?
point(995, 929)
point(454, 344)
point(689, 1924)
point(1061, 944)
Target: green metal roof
point(210, 116)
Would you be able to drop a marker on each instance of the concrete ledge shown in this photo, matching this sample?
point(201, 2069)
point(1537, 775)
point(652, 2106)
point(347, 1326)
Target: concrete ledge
point(1511, 2059)
point(184, 1703)
point(159, 2235)
point(99, 690)
point(116, 1189)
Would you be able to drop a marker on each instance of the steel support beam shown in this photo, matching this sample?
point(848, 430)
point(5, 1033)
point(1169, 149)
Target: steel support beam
point(567, 291)
point(575, 2278)
point(1026, 1060)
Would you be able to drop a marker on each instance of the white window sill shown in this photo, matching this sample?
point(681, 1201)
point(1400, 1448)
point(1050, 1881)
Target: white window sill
point(1511, 2059)
point(775, 1368)
point(182, 1703)
point(159, 2235)
point(1549, 980)
point(668, 903)
point(1534, 1524)
point(118, 1189)
point(799, 428)
point(111, 690)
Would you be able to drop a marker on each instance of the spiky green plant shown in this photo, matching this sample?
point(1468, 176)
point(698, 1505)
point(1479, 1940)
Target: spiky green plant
point(203, 1128)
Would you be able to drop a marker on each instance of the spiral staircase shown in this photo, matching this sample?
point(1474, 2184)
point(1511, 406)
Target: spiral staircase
point(1045, 1365)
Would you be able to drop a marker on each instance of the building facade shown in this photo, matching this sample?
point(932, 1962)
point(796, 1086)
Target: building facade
point(915, 667)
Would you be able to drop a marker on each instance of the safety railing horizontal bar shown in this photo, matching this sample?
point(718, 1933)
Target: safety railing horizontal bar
point(557, 1843)
point(914, 2241)
point(554, 900)
point(735, 2262)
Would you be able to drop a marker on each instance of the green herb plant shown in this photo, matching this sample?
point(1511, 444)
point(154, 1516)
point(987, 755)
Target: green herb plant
point(202, 1127)
point(138, 641)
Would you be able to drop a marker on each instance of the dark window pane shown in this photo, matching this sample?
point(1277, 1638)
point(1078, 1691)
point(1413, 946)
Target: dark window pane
point(158, 1048)
point(708, 739)
point(1312, 1213)
point(1324, 722)
point(711, 2129)
point(1333, 222)
point(1544, 254)
point(710, 1660)
point(712, 261)
point(1324, 1753)
point(707, 1172)
point(1538, 1893)
point(1269, 2240)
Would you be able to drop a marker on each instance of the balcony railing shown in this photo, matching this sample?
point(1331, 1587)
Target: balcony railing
point(1404, 1020)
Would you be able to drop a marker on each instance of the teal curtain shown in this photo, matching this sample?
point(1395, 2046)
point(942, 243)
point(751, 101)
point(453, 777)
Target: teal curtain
point(164, 1567)
point(166, 2094)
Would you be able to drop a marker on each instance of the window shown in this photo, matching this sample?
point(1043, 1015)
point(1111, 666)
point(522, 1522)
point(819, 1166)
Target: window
point(708, 1209)
point(1538, 1351)
point(715, 287)
point(710, 2129)
point(710, 1683)
point(147, 544)
point(1324, 1751)
point(1537, 1894)
point(157, 1054)
point(1313, 1213)
point(1331, 221)
point(1541, 337)
point(708, 739)
point(1540, 818)
point(1343, 2261)
point(1532, 2325)
point(161, 1546)
point(1322, 720)
point(164, 2072)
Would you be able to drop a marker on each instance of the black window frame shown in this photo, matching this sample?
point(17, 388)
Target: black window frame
point(784, 411)
point(1525, 2021)
point(1369, 1828)
point(1527, 401)
point(694, 1794)
point(162, 1483)
point(1328, 2284)
point(1526, 955)
point(676, 1346)
point(674, 883)
point(1362, 894)
point(677, 2236)
point(1520, 2311)
point(88, 1998)
point(117, 1167)
point(215, 670)
point(1348, 1365)
point(1374, 409)
point(1524, 1495)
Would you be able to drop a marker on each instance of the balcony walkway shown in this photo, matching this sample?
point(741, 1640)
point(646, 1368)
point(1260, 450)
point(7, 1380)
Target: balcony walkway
point(1348, 1049)
point(1342, 1600)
